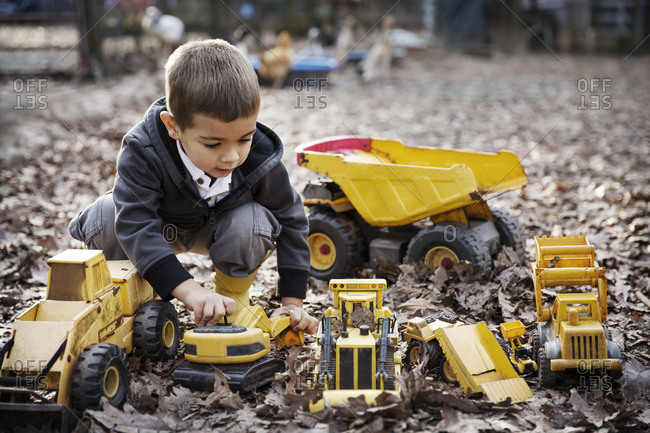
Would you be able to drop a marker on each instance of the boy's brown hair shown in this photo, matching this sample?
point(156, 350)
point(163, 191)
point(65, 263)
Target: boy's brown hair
point(213, 78)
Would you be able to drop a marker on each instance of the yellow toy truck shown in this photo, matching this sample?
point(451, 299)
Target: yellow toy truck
point(465, 355)
point(68, 351)
point(571, 334)
point(357, 353)
point(395, 202)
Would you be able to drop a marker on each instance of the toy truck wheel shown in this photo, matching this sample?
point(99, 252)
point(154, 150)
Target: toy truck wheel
point(336, 245)
point(447, 373)
point(511, 233)
point(415, 352)
point(537, 343)
point(156, 335)
point(445, 243)
point(101, 371)
point(547, 377)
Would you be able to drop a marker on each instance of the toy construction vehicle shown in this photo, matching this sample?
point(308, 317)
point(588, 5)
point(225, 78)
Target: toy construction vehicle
point(393, 202)
point(571, 334)
point(238, 350)
point(520, 357)
point(68, 351)
point(357, 345)
point(465, 355)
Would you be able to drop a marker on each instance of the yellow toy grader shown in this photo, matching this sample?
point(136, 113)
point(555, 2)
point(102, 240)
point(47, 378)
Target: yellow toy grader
point(571, 334)
point(68, 351)
point(395, 202)
point(357, 339)
point(465, 355)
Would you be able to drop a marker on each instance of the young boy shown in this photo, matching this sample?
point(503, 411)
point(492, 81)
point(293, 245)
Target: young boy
point(200, 174)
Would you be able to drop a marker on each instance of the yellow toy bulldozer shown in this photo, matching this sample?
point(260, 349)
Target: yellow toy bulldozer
point(394, 202)
point(571, 334)
point(68, 351)
point(357, 339)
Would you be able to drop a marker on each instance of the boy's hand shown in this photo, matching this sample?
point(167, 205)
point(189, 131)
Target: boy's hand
point(300, 319)
point(208, 307)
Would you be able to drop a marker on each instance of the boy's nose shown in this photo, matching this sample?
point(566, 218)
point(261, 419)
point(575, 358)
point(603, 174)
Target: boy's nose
point(230, 156)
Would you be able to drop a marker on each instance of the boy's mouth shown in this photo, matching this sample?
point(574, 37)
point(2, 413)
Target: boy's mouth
point(223, 172)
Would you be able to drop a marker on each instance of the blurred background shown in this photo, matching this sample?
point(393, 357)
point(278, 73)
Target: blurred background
point(99, 38)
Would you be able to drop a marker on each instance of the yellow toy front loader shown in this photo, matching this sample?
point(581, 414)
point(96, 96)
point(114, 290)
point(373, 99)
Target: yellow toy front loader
point(571, 334)
point(69, 350)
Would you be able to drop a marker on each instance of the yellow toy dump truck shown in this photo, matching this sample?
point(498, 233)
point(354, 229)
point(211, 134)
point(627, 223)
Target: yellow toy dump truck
point(357, 339)
point(239, 350)
point(395, 202)
point(466, 355)
point(571, 334)
point(68, 351)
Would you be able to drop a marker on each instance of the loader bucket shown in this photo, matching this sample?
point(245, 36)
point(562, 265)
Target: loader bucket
point(33, 416)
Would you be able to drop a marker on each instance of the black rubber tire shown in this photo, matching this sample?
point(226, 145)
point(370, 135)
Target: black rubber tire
point(444, 366)
point(547, 377)
point(413, 350)
point(511, 233)
point(459, 238)
point(348, 243)
point(153, 319)
point(536, 345)
point(90, 375)
point(608, 333)
point(432, 348)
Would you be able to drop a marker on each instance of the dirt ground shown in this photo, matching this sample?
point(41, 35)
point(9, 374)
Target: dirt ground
point(579, 124)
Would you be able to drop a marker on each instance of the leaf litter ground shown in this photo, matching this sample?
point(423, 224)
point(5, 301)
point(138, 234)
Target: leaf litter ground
point(587, 174)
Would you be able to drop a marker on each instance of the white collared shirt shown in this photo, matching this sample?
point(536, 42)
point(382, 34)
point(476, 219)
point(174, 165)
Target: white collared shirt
point(211, 193)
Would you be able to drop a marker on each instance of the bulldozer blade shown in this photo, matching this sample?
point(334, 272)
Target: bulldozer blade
point(516, 389)
point(240, 377)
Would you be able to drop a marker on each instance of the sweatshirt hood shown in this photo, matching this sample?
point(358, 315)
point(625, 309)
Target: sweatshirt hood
point(266, 151)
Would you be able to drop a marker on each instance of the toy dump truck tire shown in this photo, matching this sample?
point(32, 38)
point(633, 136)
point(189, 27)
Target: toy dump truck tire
point(101, 371)
point(445, 243)
point(155, 334)
point(336, 245)
point(511, 233)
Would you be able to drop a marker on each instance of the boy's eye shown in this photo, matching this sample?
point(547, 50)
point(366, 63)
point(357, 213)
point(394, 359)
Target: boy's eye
point(211, 145)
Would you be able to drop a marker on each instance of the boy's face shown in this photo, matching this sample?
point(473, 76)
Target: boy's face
point(214, 146)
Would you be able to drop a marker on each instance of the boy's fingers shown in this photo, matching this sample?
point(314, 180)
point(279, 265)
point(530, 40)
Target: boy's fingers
point(208, 313)
point(229, 305)
point(312, 327)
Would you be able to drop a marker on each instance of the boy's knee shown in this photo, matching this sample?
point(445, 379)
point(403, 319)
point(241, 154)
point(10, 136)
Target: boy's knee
point(245, 236)
point(95, 227)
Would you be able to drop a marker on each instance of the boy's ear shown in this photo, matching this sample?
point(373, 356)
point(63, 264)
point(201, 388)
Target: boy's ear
point(171, 125)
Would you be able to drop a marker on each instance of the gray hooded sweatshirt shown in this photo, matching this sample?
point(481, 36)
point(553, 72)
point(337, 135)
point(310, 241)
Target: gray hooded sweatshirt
point(153, 188)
